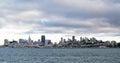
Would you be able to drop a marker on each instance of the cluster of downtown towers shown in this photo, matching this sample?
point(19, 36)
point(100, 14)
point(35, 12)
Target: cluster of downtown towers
point(28, 43)
point(63, 43)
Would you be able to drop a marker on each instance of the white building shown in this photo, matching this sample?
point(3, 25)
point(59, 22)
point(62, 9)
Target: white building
point(48, 43)
point(30, 42)
point(6, 42)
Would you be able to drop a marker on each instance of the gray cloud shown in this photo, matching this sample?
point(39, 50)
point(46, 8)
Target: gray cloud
point(78, 18)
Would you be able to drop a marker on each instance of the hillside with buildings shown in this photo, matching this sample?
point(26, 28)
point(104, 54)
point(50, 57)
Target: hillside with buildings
point(84, 42)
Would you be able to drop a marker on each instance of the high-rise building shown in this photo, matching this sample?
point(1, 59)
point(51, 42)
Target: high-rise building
point(113, 43)
point(48, 42)
point(43, 39)
point(73, 38)
point(62, 40)
point(6, 42)
point(30, 41)
point(93, 40)
point(23, 42)
point(39, 40)
point(86, 40)
point(81, 39)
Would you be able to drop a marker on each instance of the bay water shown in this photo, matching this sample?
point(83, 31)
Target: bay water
point(59, 55)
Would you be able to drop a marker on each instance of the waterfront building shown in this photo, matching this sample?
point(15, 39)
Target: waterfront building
point(23, 43)
point(6, 42)
point(86, 40)
point(48, 43)
point(36, 44)
point(93, 40)
point(108, 44)
point(13, 44)
point(113, 43)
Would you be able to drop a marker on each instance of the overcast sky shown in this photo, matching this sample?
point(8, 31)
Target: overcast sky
point(58, 18)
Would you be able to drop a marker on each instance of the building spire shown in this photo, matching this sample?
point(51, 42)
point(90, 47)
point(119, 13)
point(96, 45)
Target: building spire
point(29, 39)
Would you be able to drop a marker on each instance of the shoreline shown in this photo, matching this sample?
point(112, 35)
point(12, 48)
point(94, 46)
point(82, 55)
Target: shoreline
point(65, 47)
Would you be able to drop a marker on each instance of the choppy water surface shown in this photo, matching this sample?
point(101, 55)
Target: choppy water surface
point(82, 55)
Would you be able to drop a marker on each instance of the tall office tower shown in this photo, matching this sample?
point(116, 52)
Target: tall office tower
point(81, 39)
point(29, 41)
point(73, 38)
point(39, 40)
point(62, 40)
point(43, 39)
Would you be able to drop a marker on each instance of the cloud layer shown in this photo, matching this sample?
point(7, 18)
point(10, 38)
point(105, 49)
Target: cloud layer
point(60, 16)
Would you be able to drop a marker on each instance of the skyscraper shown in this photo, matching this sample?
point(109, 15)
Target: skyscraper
point(29, 41)
point(43, 39)
point(73, 38)
point(62, 40)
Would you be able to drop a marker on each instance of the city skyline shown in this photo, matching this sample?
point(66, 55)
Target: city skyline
point(82, 42)
point(59, 18)
point(43, 38)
